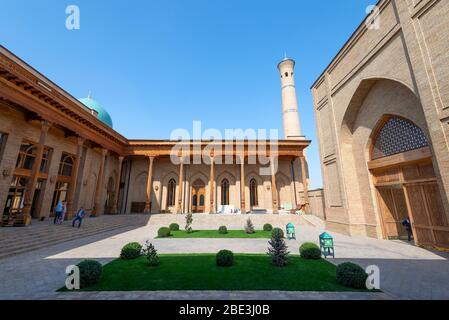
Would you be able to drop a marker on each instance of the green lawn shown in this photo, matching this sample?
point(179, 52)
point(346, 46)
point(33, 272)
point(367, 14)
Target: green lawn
point(232, 234)
point(199, 272)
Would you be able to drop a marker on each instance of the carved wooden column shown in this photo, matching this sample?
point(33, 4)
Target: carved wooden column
point(117, 185)
point(181, 182)
point(212, 185)
point(32, 182)
point(242, 185)
point(74, 178)
point(99, 188)
point(305, 184)
point(274, 190)
point(149, 185)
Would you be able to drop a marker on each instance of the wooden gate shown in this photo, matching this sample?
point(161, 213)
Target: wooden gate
point(411, 189)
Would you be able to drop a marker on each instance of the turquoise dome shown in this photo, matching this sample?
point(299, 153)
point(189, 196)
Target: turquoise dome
point(103, 115)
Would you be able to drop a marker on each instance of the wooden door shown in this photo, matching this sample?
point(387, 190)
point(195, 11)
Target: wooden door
point(393, 208)
point(427, 214)
point(198, 199)
point(411, 190)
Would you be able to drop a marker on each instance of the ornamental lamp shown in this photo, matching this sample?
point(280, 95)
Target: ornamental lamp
point(327, 245)
point(291, 232)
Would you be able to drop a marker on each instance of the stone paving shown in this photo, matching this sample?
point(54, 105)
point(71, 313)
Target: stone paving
point(407, 272)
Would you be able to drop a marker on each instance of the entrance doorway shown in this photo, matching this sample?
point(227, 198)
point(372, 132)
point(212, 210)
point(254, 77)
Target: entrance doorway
point(198, 197)
point(411, 190)
point(406, 184)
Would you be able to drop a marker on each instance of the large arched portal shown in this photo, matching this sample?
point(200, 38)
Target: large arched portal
point(406, 183)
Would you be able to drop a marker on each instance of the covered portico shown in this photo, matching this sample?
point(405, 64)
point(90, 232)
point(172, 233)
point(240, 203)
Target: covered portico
point(211, 177)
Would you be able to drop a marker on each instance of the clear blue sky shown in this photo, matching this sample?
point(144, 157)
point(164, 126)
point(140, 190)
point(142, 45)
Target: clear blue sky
point(158, 65)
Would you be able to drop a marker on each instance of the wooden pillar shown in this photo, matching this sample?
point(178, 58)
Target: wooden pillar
point(117, 186)
point(149, 185)
point(74, 178)
point(99, 188)
point(181, 176)
point(305, 183)
point(212, 185)
point(242, 185)
point(274, 190)
point(32, 182)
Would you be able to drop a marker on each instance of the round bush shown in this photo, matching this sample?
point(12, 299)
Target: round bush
point(222, 230)
point(131, 251)
point(267, 227)
point(90, 273)
point(225, 258)
point(164, 232)
point(174, 227)
point(277, 232)
point(310, 251)
point(351, 275)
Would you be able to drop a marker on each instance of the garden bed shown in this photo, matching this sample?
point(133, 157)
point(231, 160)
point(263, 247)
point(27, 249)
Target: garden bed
point(212, 234)
point(200, 272)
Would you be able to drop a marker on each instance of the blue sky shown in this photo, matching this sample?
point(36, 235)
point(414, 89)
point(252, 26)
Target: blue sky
point(159, 65)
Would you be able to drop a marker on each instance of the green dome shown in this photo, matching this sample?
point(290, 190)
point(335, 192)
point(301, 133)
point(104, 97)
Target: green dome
point(103, 115)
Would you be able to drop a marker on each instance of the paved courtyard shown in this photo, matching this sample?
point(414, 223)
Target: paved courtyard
point(407, 272)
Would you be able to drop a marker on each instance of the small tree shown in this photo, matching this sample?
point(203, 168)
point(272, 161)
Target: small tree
point(278, 250)
point(151, 253)
point(189, 221)
point(249, 227)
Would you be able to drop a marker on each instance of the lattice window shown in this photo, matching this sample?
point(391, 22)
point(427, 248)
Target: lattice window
point(397, 136)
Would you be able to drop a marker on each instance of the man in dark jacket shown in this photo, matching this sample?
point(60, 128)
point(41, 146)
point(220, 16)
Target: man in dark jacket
point(408, 225)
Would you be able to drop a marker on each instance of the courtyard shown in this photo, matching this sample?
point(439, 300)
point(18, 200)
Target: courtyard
point(407, 272)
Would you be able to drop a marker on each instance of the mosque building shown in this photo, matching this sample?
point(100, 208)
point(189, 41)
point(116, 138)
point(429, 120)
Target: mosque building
point(54, 148)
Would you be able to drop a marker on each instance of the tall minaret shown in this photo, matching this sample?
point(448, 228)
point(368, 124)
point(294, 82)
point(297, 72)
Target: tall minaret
point(292, 126)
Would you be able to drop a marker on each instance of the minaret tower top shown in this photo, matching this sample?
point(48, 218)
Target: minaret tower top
point(292, 126)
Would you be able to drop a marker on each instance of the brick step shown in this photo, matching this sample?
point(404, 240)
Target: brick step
point(44, 230)
point(23, 248)
point(56, 238)
point(62, 232)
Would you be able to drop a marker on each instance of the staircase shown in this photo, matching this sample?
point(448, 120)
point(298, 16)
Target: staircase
point(39, 235)
point(203, 221)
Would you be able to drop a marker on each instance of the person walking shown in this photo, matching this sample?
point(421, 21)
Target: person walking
point(63, 213)
point(58, 212)
point(79, 217)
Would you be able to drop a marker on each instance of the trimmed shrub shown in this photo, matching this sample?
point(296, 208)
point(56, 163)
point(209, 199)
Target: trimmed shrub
point(164, 232)
point(222, 230)
point(90, 273)
point(267, 227)
point(277, 232)
point(351, 275)
point(131, 251)
point(174, 227)
point(249, 227)
point(225, 258)
point(310, 251)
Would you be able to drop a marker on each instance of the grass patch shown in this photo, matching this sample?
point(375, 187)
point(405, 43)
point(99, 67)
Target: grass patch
point(212, 234)
point(199, 272)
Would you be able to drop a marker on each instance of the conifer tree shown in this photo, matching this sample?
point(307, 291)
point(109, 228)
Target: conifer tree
point(278, 250)
point(249, 227)
point(189, 221)
point(151, 253)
